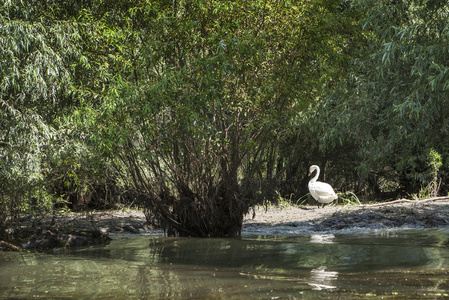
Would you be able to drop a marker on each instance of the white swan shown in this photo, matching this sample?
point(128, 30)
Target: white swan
point(321, 191)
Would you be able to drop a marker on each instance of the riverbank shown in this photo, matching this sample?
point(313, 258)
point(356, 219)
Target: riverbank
point(81, 229)
point(428, 213)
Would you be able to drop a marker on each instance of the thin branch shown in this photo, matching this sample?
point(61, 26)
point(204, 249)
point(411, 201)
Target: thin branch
point(405, 201)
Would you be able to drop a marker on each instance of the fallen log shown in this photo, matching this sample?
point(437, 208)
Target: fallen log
point(9, 246)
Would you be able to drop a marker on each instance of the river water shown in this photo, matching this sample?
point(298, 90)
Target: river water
point(400, 264)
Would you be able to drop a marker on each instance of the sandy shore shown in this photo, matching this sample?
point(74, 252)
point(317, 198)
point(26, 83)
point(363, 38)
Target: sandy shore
point(430, 213)
point(409, 214)
point(287, 220)
point(70, 229)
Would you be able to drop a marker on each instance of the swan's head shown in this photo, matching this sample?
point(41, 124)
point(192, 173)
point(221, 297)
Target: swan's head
point(313, 168)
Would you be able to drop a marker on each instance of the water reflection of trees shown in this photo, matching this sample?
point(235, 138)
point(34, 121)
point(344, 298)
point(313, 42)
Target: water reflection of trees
point(339, 253)
point(154, 267)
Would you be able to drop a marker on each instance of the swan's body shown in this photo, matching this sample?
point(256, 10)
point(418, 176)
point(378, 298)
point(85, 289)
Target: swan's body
point(320, 191)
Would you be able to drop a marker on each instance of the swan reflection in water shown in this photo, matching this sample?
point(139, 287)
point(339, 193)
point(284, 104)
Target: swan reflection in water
point(322, 238)
point(321, 279)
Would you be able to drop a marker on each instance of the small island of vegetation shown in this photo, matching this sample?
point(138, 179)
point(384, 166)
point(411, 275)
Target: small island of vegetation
point(196, 111)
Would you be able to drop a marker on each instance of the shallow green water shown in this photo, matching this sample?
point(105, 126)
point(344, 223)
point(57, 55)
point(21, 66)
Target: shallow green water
point(393, 264)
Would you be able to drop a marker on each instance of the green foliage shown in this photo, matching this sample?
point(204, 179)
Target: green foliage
point(42, 62)
point(391, 111)
point(435, 163)
point(198, 110)
point(349, 198)
point(196, 116)
point(33, 77)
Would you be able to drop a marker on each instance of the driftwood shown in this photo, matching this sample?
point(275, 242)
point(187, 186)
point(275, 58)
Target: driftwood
point(9, 246)
point(406, 201)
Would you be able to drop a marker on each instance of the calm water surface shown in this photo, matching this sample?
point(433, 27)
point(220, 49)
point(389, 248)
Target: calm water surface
point(399, 264)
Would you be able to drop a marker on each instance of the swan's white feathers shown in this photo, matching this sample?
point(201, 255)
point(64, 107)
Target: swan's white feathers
point(320, 191)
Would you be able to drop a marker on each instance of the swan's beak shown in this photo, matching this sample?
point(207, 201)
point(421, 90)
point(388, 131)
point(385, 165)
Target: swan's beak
point(309, 173)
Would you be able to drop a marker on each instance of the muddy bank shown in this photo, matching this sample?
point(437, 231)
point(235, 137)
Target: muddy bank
point(73, 229)
point(93, 228)
point(305, 220)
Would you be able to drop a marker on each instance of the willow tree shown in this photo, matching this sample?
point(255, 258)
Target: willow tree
point(33, 81)
point(200, 96)
point(43, 77)
point(391, 112)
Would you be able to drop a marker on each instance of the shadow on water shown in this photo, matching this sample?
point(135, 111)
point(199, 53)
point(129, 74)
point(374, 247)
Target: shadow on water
point(395, 263)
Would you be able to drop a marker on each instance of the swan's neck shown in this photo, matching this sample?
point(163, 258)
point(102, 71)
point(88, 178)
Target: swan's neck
point(314, 179)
